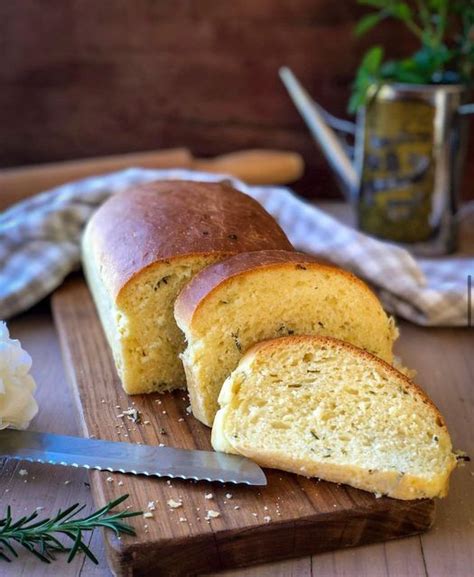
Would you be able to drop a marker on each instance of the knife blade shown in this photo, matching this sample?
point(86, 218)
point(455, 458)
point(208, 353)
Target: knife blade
point(129, 458)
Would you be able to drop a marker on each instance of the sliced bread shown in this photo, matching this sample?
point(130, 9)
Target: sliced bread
point(229, 306)
point(142, 246)
point(319, 407)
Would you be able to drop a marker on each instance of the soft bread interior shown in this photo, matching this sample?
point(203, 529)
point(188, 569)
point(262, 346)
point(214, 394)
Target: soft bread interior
point(140, 325)
point(276, 301)
point(319, 407)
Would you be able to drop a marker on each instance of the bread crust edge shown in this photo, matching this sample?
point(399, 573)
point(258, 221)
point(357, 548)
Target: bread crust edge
point(406, 487)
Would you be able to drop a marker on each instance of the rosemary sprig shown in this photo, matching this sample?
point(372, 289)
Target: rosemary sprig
point(41, 537)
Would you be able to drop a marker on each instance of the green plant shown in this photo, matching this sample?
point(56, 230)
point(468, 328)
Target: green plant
point(41, 537)
point(445, 30)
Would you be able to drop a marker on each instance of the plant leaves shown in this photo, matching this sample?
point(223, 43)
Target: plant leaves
point(89, 553)
point(367, 74)
point(402, 11)
point(37, 536)
point(374, 3)
point(436, 4)
point(372, 60)
point(367, 23)
point(75, 547)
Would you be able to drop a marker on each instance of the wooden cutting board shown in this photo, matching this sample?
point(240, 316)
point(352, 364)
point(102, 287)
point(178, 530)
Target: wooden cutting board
point(291, 517)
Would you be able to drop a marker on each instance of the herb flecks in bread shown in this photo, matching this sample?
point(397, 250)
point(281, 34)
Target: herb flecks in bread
point(231, 305)
point(354, 419)
point(142, 246)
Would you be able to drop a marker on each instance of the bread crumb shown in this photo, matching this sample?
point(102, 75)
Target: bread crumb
point(267, 518)
point(133, 414)
point(209, 496)
point(174, 504)
point(110, 479)
point(182, 519)
point(148, 515)
point(211, 514)
point(228, 495)
point(151, 506)
point(23, 472)
point(189, 410)
point(180, 420)
point(120, 483)
point(236, 507)
point(67, 482)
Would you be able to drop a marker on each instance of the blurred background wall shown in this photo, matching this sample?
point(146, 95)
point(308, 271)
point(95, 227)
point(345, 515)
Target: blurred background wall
point(83, 78)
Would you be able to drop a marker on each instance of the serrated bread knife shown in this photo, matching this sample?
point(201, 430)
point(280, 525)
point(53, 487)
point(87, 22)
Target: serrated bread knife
point(129, 458)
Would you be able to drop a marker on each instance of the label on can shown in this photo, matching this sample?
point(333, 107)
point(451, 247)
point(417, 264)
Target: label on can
point(397, 182)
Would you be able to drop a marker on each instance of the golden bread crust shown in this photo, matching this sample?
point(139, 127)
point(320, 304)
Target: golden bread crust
point(168, 219)
point(207, 281)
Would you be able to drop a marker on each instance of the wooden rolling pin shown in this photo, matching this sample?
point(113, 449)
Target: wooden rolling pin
point(252, 166)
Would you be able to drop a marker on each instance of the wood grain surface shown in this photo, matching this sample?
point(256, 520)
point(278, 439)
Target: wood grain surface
point(87, 78)
point(45, 486)
point(446, 370)
point(445, 364)
point(292, 516)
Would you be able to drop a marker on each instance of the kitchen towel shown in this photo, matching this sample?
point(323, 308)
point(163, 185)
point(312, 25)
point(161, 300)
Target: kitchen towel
point(40, 245)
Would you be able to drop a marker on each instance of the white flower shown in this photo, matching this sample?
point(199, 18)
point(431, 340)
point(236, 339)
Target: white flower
point(17, 404)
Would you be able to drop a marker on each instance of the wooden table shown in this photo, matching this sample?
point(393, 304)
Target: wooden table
point(444, 359)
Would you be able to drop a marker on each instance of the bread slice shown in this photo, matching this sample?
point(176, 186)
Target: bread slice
point(245, 299)
point(319, 407)
point(142, 246)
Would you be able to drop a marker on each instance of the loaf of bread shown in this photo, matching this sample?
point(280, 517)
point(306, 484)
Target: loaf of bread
point(319, 407)
point(142, 246)
point(231, 305)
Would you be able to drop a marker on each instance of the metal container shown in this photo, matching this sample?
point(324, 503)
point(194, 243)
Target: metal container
point(410, 148)
point(402, 174)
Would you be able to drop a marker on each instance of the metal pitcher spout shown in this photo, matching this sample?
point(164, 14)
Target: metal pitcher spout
point(323, 127)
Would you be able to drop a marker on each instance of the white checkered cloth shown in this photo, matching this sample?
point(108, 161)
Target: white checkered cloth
point(40, 245)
